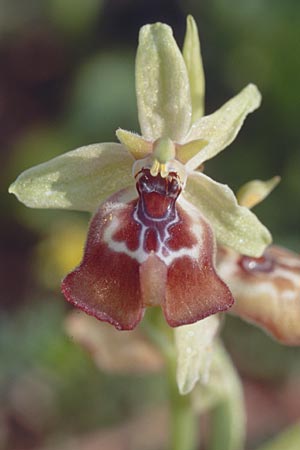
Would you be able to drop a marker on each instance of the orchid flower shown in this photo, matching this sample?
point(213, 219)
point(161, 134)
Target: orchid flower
point(157, 218)
point(266, 289)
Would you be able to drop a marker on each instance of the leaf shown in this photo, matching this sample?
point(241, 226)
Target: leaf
point(162, 85)
point(221, 127)
point(193, 61)
point(235, 226)
point(80, 179)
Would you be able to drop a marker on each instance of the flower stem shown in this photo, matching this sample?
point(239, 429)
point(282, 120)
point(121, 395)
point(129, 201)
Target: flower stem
point(183, 421)
point(228, 415)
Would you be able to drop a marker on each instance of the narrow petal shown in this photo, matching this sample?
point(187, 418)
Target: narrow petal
point(162, 85)
point(194, 352)
point(193, 288)
point(193, 60)
point(187, 151)
point(106, 284)
point(255, 191)
point(234, 225)
point(266, 290)
point(135, 144)
point(80, 179)
point(221, 127)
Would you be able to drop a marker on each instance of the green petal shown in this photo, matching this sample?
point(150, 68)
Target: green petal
point(193, 346)
point(255, 191)
point(193, 61)
point(135, 144)
point(162, 85)
point(187, 151)
point(80, 179)
point(235, 226)
point(221, 127)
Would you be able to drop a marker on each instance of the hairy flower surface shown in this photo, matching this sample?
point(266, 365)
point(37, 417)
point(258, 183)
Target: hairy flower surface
point(153, 239)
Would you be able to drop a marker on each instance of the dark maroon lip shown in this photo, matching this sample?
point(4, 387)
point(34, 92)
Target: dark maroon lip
point(157, 205)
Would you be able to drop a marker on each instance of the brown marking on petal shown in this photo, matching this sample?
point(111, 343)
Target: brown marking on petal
point(129, 230)
point(194, 290)
point(283, 284)
point(180, 233)
point(106, 283)
point(268, 298)
point(153, 276)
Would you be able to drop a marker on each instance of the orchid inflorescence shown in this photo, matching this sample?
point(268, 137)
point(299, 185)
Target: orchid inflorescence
point(163, 233)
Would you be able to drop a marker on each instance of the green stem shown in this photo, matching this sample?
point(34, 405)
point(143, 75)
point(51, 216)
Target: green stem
point(222, 428)
point(183, 423)
point(228, 415)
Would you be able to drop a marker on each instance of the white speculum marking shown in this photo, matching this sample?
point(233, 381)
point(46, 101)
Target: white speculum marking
point(163, 252)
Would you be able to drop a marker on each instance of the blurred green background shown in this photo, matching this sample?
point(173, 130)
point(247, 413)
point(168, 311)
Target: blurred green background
point(67, 79)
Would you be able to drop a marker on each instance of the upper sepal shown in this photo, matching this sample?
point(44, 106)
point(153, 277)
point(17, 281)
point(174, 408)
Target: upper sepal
point(162, 85)
point(192, 57)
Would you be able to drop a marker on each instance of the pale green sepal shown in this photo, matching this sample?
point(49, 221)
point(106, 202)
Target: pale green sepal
point(223, 395)
point(79, 180)
point(221, 127)
point(135, 144)
point(162, 85)
point(194, 352)
point(193, 61)
point(255, 191)
point(235, 226)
